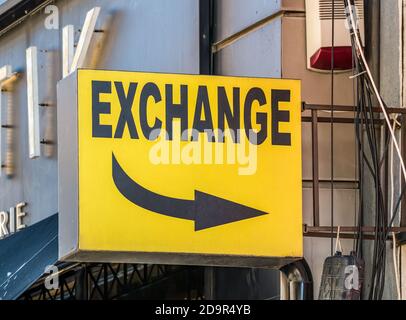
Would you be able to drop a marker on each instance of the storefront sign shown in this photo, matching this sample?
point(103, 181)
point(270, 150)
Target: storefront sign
point(180, 164)
point(12, 221)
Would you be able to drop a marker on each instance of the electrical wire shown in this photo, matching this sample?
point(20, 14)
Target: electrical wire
point(374, 87)
point(360, 157)
point(369, 155)
point(365, 118)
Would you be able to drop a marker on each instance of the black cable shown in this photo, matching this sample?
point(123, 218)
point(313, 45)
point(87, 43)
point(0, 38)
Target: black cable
point(381, 231)
point(377, 258)
point(361, 157)
point(372, 143)
point(357, 212)
point(370, 122)
point(365, 106)
point(371, 163)
point(365, 119)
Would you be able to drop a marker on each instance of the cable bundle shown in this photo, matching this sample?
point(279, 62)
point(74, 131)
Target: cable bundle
point(369, 158)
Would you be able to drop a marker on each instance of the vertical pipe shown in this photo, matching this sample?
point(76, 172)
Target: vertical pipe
point(284, 287)
point(315, 169)
point(206, 18)
point(372, 36)
point(205, 35)
point(209, 283)
point(299, 281)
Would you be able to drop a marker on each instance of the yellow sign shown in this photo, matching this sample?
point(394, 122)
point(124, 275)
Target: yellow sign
point(190, 164)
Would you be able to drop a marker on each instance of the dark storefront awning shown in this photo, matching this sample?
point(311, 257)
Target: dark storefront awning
point(25, 255)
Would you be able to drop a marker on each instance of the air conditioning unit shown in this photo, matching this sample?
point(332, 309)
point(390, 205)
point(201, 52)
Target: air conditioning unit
point(319, 15)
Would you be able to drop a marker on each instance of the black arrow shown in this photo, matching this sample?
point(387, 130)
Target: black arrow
point(206, 210)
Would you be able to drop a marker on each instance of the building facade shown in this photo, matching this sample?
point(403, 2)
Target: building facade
point(221, 37)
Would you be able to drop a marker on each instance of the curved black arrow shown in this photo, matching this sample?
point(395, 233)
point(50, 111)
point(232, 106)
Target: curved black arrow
point(206, 210)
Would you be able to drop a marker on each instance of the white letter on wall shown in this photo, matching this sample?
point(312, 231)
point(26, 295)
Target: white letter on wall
point(85, 38)
point(68, 48)
point(33, 104)
point(20, 214)
point(3, 224)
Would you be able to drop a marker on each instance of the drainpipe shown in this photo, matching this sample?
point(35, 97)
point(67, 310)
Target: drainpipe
point(296, 281)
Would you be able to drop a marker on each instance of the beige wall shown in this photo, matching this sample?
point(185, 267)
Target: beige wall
point(316, 88)
point(293, 4)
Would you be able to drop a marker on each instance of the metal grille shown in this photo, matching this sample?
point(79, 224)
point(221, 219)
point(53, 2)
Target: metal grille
point(103, 281)
point(325, 9)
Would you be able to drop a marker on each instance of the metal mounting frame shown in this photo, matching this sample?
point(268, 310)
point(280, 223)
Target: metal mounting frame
point(316, 230)
point(105, 281)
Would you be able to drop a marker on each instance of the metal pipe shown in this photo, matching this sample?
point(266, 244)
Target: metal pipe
point(240, 34)
point(340, 108)
point(308, 229)
point(340, 120)
point(206, 35)
point(315, 169)
point(328, 235)
point(298, 281)
point(368, 233)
